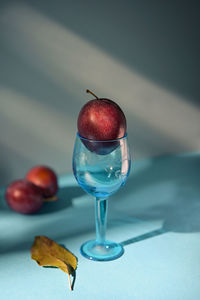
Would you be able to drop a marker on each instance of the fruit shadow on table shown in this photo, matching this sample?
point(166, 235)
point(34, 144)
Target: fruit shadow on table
point(54, 220)
point(163, 188)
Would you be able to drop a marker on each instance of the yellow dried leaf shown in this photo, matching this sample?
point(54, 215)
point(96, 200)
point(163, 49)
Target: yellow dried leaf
point(46, 252)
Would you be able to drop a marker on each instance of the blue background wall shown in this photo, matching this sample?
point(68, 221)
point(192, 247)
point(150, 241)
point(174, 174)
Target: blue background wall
point(142, 54)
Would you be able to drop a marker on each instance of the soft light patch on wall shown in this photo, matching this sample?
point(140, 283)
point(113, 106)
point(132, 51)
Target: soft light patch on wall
point(75, 64)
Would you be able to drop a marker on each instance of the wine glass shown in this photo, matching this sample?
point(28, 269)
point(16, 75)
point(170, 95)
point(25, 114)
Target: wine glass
point(101, 168)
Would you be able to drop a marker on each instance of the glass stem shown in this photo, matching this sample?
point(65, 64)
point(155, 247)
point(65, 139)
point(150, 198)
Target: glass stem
point(101, 209)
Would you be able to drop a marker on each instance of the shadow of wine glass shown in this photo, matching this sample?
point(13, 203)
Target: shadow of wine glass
point(144, 236)
point(183, 219)
point(171, 194)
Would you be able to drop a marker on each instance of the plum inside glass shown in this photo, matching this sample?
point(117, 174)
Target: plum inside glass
point(101, 175)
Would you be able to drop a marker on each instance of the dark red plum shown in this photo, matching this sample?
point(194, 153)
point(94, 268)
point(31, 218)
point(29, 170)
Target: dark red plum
point(101, 120)
point(45, 178)
point(24, 197)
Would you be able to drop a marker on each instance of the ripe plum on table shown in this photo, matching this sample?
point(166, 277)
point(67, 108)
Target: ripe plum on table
point(24, 197)
point(45, 178)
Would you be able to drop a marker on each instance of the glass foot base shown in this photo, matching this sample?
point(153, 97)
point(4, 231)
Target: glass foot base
point(101, 252)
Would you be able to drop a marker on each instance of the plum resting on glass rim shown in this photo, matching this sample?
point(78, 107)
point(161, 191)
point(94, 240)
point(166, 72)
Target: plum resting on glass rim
point(101, 120)
point(24, 197)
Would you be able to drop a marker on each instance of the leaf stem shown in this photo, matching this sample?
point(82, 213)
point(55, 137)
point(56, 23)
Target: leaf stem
point(70, 284)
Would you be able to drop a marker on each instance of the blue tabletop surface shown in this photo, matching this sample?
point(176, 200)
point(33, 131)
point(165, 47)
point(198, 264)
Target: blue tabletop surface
point(156, 216)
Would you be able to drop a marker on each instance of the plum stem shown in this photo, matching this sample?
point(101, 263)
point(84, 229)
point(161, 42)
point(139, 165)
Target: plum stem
point(50, 199)
point(88, 91)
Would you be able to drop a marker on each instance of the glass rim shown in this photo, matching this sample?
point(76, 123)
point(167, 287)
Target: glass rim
point(97, 141)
